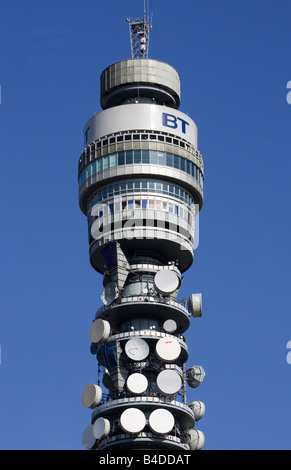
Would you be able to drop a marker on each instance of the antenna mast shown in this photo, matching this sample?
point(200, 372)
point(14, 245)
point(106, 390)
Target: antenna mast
point(139, 33)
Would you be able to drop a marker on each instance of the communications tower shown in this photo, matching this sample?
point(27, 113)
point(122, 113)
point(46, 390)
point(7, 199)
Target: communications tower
point(141, 187)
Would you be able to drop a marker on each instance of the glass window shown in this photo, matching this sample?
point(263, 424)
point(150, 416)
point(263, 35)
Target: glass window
point(99, 164)
point(176, 210)
point(110, 191)
point(123, 187)
point(111, 208)
point(182, 163)
point(130, 204)
point(145, 156)
point(112, 140)
point(165, 188)
point(116, 188)
point(137, 203)
point(119, 138)
point(176, 162)
point(105, 162)
point(130, 186)
point(159, 186)
point(113, 160)
point(136, 137)
point(137, 185)
point(128, 137)
point(144, 203)
point(137, 156)
point(144, 185)
point(105, 142)
point(154, 157)
point(128, 157)
point(161, 138)
point(120, 158)
point(170, 207)
point(188, 166)
point(169, 159)
point(162, 158)
point(151, 186)
point(171, 190)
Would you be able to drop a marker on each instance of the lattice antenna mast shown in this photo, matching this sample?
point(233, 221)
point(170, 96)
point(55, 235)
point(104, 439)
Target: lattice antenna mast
point(139, 33)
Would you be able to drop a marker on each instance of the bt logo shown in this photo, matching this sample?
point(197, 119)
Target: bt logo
point(169, 120)
point(288, 97)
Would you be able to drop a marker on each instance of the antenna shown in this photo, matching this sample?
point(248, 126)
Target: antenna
point(139, 33)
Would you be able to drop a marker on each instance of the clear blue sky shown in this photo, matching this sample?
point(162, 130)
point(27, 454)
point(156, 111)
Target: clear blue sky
point(234, 61)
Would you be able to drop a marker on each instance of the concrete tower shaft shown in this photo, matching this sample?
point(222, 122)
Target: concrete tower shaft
point(141, 187)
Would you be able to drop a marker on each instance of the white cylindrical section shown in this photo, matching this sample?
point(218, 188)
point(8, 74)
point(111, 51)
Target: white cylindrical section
point(91, 396)
point(132, 420)
point(161, 421)
point(99, 331)
point(88, 438)
point(137, 383)
point(168, 349)
point(140, 117)
point(169, 382)
point(101, 428)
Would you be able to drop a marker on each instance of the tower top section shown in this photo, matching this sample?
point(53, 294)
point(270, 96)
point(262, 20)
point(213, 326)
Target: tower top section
point(139, 33)
point(140, 81)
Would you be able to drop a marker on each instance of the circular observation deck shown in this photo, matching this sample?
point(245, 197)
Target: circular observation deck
point(144, 81)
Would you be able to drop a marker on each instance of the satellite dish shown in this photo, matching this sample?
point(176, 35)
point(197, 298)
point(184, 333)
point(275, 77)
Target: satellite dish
point(169, 382)
point(110, 293)
point(161, 421)
point(99, 331)
point(137, 383)
point(132, 420)
point(101, 428)
point(198, 408)
point(88, 439)
point(91, 396)
point(168, 349)
point(137, 349)
point(166, 281)
point(195, 305)
point(195, 439)
point(170, 326)
point(195, 376)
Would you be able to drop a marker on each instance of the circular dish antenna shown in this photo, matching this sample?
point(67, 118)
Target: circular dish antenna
point(101, 428)
point(169, 382)
point(168, 349)
point(88, 439)
point(198, 408)
point(91, 396)
point(195, 439)
point(195, 305)
point(99, 331)
point(132, 420)
point(161, 421)
point(137, 383)
point(110, 293)
point(195, 376)
point(170, 326)
point(137, 349)
point(166, 281)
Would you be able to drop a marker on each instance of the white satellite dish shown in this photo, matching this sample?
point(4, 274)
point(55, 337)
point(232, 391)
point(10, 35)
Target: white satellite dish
point(99, 331)
point(88, 439)
point(91, 396)
point(137, 349)
point(137, 383)
point(195, 439)
point(101, 428)
point(170, 326)
point(198, 408)
point(161, 421)
point(132, 420)
point(195, 305)
point(169, 382)
point(166, 281)
point(110, 293)
point(168, 349)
